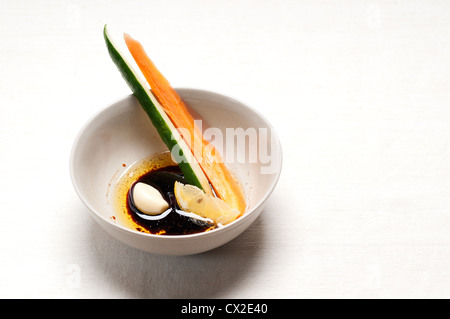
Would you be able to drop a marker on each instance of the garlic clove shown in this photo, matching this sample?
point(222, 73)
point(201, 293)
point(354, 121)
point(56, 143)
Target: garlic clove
point(148, 199)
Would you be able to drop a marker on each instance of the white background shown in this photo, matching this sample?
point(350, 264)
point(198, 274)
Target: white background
point(359, 92)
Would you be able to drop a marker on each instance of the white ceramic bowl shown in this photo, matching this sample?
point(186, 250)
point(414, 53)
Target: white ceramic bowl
point(122, 134)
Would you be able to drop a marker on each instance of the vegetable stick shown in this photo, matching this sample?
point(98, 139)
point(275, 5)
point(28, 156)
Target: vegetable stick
point(210, 160)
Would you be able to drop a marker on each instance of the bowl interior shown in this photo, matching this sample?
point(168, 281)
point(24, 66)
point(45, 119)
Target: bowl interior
point(122, 134)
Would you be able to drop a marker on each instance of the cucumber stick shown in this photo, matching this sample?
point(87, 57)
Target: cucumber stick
point(167, 131)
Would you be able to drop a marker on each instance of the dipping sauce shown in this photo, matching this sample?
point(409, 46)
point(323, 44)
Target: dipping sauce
point(173, 221)
point(161, 173)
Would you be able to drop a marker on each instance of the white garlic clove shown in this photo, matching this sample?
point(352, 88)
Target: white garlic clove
point(148, 199)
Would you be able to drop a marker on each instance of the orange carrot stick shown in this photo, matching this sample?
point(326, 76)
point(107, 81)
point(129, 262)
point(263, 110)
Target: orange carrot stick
point(209, 159)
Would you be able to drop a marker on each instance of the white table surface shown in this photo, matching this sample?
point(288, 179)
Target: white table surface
point(359, 92)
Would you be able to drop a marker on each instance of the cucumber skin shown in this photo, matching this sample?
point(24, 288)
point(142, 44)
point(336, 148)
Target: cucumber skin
point(158, 122)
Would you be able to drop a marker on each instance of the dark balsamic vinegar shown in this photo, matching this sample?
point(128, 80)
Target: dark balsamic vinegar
point(172, 221)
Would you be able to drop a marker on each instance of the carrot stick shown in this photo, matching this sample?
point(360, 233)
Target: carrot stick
point(209, 159)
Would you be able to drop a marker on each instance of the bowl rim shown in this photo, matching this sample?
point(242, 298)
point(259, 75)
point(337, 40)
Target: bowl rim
point(233, 224)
